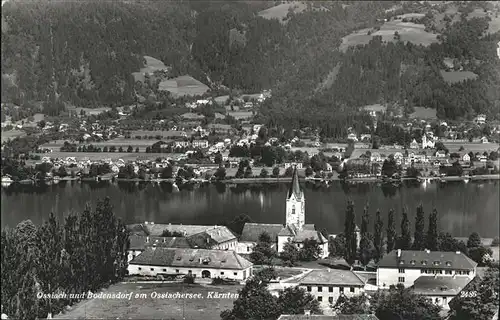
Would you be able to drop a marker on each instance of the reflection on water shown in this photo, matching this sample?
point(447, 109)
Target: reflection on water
point(463, 207)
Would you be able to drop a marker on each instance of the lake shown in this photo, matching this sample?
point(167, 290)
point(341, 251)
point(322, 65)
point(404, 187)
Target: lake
point(462, 207)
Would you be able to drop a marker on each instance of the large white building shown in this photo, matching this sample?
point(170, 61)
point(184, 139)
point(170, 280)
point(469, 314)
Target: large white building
point(327, 285)
point(200, 263)
point(295, 229)
point(406, 266)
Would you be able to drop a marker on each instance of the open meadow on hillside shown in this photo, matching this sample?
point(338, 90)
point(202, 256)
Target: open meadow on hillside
point(98, 156)
point(452, 77)
point(11, 134)
point(412, 32)
point(424, 113)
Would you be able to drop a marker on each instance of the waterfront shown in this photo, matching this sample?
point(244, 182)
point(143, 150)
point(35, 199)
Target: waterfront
point(463, 207)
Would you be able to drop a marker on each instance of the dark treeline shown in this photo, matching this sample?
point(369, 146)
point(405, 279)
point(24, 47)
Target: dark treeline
point(385, 238)
point(85, 253)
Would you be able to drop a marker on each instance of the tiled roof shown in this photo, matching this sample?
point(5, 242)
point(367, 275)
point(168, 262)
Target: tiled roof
point(428, 260)
point(211, 237)
point(196, 258)
point(331, 277)
point(252, 231)
point(304, 234)
point(141, 242)
point(157, 229)
point(288, 231)
point(325, 317)
point(440, 285)
point(471, 286)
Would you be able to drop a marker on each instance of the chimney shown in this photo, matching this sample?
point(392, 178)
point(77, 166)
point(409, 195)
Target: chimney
point(399, 253)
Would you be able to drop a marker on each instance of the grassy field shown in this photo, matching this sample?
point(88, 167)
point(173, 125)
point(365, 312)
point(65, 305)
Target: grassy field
point(408, 31)
point(281, 11)
point(120, 142)
point(155, 308)
point(151, 66)
point(457, 76)
point(468, 146)
point(11, 134)
point(424, 113)
point(183, 86)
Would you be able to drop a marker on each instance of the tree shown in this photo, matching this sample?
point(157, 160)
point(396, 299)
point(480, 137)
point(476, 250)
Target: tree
point(276, 172)
point(254, 302)
point(290, 254)
point(41, 124)
point(352, 305)
point(337, 246)
point(391, 232)
point(310, 251)
point(378, 240)
point(105, 149)
point(431, 238)
point(130, 149)
point(266, 274)
point(248, 172)
point(404, 242)
point(419, 237)
point(263, 253)
point(288, 172)
point(449, 244)
point(366, 249)
point(61, 172)
point(264, 173)
point(474, 240)
point(120, 149)
point(220, 173)
point(480, 298)
point(350, 234)
point(295, 300)
point(238, 223)
point(137, 150)
point(167, 172)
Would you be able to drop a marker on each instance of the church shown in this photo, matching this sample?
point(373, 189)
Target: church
point(295, 229)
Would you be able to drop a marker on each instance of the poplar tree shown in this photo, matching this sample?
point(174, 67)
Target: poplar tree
point(350, 234)
point(431, 239)
point(378, 240)
point(419, 236)
point(404, 242)
point(366, 244)
point(391, 231)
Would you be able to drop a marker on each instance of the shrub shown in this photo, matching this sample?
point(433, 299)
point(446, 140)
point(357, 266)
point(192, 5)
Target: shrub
point(189, 279)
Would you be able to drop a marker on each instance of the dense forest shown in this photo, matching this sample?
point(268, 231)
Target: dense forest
point(83, 54)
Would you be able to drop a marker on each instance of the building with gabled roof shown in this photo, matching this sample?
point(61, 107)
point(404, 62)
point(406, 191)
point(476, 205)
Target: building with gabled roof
point(216, 238)
point(440, 289)
point(406, 266)
point(195, 262)
point(294, 230)
point(327, 285)
point(138, 243)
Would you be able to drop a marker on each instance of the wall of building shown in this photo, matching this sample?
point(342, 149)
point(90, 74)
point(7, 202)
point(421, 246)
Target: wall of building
point(282, 240)
point(390, 276)
point(228, 245)
point(327, 298)
point(146, 270)
point(245, 247)
point(295, 211)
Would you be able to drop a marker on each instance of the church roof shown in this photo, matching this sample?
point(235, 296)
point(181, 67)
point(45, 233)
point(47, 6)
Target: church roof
point(252, 231)
point(295, 186)
point(304, 234)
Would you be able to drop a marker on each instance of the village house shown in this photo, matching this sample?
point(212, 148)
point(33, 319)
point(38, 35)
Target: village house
point(440, 289)
point(406, 266)
point(440, 154)
point(327, 285)
point(200, 263)
point(295, 230)
point(428, 141)
point(139, 243)
point(220, 128)
point(352, 136)
point(484, 140)
point(200, 144)
point(480, 119)
point(298, 165)
point(414, 144)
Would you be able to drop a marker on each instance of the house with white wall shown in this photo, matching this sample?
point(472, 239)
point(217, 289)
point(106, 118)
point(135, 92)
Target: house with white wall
point(200, 263)
point(327, 285)
point(440, 289)
point(406, 266)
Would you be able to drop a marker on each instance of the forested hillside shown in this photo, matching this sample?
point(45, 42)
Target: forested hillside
point(83, 54)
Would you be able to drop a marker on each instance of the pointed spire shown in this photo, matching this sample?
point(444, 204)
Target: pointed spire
point(295, 186)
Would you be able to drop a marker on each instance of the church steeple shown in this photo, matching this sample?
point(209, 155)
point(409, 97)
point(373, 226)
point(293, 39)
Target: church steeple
point(295, 203)
point(295, 186)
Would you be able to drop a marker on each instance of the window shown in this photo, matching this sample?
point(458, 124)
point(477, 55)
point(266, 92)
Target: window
point(445, 300)
point(330, 299)
point(401, 270)
point(412, 262)
point(351, 289)
point(320, 289)
point(235, 273)
point(293, 209)
point(437, 263)
point(164, 270)
point(447, 272)
point(248, 249)
point(152, 269)
point(222, 273)
point(320, 299)
point(330, 289)
point(437, 300)
point(308, 288)
point(424, 262)
point(422, 270)
point(176, 270)
point(139, 268)
point(341, 289)
point(467, 272)
point(401, 279)
point(401, 262)
point(448, 263)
